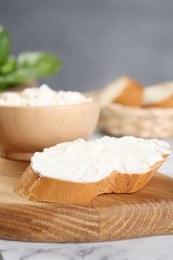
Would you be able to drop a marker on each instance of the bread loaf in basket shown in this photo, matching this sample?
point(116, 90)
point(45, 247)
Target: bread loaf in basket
point(152, 118)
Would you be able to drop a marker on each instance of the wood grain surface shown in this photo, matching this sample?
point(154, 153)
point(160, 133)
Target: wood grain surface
point(109, 217)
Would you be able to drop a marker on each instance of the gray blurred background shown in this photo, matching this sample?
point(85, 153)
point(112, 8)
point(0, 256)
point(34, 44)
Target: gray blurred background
point(99, 40)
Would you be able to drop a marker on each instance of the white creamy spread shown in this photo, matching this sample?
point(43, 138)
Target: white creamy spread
point(42, 96)
point(81, 161)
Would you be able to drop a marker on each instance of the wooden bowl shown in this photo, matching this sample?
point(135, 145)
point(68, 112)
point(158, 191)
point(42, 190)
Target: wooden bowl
point(119, 120)
point(25, 130)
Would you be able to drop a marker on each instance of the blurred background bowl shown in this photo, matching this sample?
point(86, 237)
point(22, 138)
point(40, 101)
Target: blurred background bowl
point(25, 130)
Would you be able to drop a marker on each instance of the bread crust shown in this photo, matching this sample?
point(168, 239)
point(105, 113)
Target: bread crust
point(132, 95)
point(34, 187)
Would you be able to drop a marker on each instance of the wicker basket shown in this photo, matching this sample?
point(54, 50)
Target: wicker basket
point(119, 120)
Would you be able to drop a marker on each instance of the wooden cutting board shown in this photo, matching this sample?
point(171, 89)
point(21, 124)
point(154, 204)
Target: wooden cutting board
point(109, 217)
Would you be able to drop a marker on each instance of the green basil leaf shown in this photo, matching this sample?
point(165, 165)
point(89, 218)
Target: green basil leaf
point(17, 77)
point(5, 45)
point(8, 66)
point(39, 64)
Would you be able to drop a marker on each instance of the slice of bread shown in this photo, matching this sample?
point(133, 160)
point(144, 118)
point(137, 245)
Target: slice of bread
point(39, 188)
point(76, 172)
point(160, 95)
point(124, 90)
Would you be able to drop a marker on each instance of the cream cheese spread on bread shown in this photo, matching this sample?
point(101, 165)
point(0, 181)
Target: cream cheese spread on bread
point(81, 161)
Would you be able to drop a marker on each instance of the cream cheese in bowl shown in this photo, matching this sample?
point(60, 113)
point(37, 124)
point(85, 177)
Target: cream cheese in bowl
point(42, 96)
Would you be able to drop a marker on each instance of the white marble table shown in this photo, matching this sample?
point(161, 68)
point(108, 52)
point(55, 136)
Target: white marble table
point(152, 248)
point(148, 248)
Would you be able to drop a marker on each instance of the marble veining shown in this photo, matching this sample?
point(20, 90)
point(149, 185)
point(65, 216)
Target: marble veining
point(150, 248)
